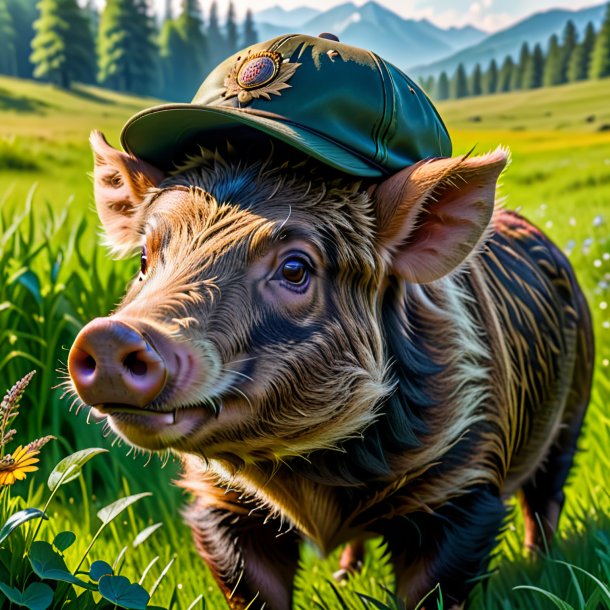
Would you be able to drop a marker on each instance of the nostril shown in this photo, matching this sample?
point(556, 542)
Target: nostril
point(88, 364)
point(134, 365)
point(82, 364)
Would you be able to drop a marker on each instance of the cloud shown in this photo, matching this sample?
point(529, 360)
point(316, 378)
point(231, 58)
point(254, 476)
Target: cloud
point(496, 21)
point(489, 15)
point(476, 15)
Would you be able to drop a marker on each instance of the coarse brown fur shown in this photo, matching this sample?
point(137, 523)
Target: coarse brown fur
point(407, 389)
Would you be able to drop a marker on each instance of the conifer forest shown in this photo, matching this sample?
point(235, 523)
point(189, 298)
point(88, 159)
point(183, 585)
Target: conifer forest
point(575, 56)
point(124, 46)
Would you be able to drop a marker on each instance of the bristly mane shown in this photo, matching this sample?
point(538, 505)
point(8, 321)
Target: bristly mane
point(401, 425)
point(252, 174)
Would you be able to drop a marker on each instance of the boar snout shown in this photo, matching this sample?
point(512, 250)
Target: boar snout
point(111, 362)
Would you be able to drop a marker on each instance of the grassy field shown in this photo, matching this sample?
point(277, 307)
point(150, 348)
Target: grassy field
point(44, 137)
point(54, 277)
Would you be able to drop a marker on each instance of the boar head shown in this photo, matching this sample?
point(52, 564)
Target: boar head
point(254, 329)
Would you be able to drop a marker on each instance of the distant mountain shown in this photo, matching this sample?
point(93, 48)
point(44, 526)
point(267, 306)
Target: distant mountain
point(534, 29)
point(404, 42)
point(266, 31)
point(276, 15)
point(466, 36)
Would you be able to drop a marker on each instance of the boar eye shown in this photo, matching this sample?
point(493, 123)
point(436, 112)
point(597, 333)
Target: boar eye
point(143, 263)
point(295, 273)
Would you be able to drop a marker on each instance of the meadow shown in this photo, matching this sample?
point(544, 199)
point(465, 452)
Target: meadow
point(54, 277)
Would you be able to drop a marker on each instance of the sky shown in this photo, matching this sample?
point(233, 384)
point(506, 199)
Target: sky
point(488, 15)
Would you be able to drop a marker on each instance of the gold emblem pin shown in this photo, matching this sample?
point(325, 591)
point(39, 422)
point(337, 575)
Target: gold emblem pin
point(258, 75)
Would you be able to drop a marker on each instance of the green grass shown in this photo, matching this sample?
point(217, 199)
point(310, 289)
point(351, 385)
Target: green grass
point(575, 108)
point(54, 277)
point(44, 138)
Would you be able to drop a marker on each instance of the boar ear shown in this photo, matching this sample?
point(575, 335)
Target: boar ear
point(432, 215)
point(120, 184)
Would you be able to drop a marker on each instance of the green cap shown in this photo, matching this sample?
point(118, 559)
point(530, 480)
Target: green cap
point(343, 105)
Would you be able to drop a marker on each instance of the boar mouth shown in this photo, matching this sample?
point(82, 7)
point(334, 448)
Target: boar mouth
point(153, 429)
point(114, 409)
point(152, 419)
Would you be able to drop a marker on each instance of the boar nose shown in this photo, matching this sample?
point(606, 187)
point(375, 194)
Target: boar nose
point(111, 362)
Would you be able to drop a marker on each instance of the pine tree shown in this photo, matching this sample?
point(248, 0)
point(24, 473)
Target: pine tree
point(442, 88)
point(126, 48)
point(553, 64)
point(505, 76)
point(476, 81)
point(217, 45)
point(93, 18)
point(491, 78)
point(533, 74)
point(93, 15)
point(115, 69)
point(430, 88)
point(172, 51)
point(578, 67)
point(147, 78)
point(519, 71)
point(232, 35)
point(63, 49)
point(23, 14)
point(459, 83)
point(427, 84)
point(192, 9)
point(250, 34)
point(8, 52)
point(191, 62)
point(600, 57)
point(49, 45)
point(569, 43)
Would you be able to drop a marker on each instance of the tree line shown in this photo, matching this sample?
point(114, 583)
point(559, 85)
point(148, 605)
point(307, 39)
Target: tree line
point(565, 60)
point(125, 46)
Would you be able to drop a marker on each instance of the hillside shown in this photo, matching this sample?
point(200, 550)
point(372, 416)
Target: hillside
point(37, 109)
point(44, 133)
point(577, 107)
point(536, 28)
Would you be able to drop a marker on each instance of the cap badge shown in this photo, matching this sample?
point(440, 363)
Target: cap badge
point(258, 70)
point(258, 75)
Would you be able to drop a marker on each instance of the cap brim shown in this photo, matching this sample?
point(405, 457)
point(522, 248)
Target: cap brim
point(161, 134)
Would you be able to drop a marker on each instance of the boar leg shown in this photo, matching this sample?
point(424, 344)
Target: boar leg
point(351, 560)
point(542, 495)
point(451, 547)
point(252, 562)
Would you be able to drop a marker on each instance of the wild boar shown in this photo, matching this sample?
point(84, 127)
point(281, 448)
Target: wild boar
point(339, 357)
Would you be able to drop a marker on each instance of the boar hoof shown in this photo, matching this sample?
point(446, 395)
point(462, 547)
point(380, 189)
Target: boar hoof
point(344, 573)
point(341, 575)
point(351, 560)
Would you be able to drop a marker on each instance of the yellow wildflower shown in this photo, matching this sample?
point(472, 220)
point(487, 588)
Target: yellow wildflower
point(13, 467)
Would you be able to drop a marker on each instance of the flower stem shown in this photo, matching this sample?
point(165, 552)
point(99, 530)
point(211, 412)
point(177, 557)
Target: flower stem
point(44, 510)
point(95, 537)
